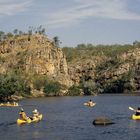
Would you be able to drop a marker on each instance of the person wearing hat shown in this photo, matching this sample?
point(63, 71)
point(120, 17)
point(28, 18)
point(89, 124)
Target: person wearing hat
point(23, 115)
point(35, 114)
point(138, 111)
point(15, 103)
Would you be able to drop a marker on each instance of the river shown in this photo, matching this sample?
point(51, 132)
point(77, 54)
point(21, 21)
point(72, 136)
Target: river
point(66, 118)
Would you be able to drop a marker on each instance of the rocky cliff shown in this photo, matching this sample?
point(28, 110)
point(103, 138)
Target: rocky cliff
point(90, 71)
point(35, 54)
point(101, 73)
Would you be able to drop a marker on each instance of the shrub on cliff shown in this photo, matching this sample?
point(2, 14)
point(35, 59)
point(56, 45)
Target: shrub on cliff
point(109, 64)
point(74, 91)
point(89, 86)
point(87, 51)
point(52, 88)
point(12, 84)
point(121, 85)
point(39, 81)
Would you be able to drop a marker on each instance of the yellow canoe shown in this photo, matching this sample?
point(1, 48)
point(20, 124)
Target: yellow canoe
point(9, 105)
point(135, 117)
point(90, 105)
point(20, 121)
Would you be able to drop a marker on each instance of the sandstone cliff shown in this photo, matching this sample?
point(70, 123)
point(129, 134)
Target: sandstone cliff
point(35, 54)
point(102, 73)
point(91, 70)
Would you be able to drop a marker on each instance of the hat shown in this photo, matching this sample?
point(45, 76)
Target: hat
point(35, 111)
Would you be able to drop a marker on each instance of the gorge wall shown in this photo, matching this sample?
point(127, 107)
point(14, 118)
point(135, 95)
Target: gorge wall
point(35, 54)
point(38, 55)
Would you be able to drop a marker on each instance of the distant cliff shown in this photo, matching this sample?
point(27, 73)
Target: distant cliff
point(35, 64)
point(105, 69)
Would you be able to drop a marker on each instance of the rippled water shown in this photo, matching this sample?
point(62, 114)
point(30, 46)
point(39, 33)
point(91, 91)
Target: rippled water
point(66, 118)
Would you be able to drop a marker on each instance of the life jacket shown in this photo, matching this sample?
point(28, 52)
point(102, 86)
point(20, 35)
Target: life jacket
point(23, 115)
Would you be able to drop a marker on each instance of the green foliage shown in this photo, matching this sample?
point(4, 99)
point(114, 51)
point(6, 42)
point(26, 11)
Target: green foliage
point(35, 30)
point(56, 41)
point(70, 53)
point(83, 51)
point(89, 87)
point(136, 43)
point(15, 31)
point(74, 91)
point(120, 85)
point(113, 62)
point(20, 32)
point(9, 35)
point(39, 81)
point(1, 35)
point(52, 88)
point(116, 86)
point(12, 84)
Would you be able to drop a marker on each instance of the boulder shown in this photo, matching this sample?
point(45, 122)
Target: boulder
point(102, 121)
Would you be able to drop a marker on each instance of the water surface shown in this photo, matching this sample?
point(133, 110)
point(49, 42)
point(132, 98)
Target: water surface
point(66, 118)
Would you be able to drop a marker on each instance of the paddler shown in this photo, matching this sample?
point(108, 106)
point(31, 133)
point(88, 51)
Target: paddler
point(90, 102)
point(23, 115)
point(138, 111)
point(35, 114)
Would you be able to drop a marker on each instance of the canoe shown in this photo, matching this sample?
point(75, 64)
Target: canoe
point(135, 117)
point(9, 105)
point(20, 121)
point(90, 105)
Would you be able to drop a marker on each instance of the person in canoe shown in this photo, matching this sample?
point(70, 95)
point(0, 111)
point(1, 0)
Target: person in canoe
point(15, 103)
point(90, 102)
point(8, 103)
point(23, 115)
point(35, 114)
point(138, 111)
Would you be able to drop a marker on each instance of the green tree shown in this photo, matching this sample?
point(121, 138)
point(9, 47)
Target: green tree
point(56, 41)
point(20, 32)
point(1, 35)
point(15, 31)
point(52, 88)
point(74, 91)
point(39, 81)
point(89, 87)
point(12, 84)
point(9, 35)
point(43, 31)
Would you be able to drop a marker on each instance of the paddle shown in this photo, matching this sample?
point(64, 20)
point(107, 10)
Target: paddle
point(132, 108)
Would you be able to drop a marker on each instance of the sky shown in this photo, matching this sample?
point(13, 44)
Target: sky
point(75, 21)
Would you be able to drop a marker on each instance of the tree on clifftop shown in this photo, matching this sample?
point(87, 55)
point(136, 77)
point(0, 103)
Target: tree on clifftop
point(1, 35)
point(56, 41)
point(15, 31)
